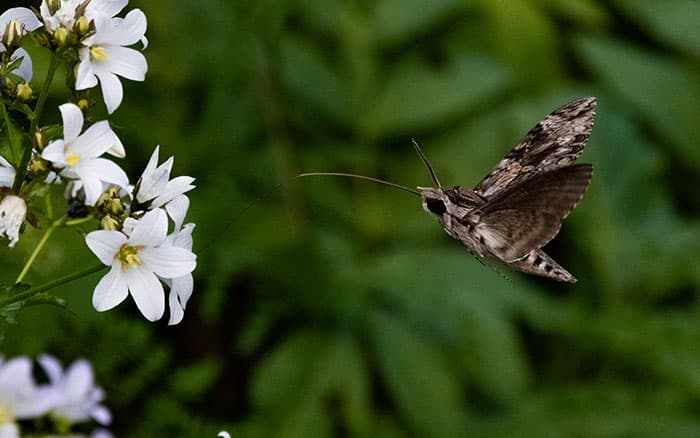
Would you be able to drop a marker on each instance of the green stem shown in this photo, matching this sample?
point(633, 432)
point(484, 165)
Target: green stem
point(50, 285)
point(27, 153)
point(10, 132)
point(49, 231)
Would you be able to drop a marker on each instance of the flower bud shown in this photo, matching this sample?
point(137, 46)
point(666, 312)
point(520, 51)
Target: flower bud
point(38, 166)
point(83, 104)
point(60, 36)
point(109, 223)
point(82, 26)
point(24, 92)
point(13, 211)
point(12, 38)
point(41, 139)
point(54, 6)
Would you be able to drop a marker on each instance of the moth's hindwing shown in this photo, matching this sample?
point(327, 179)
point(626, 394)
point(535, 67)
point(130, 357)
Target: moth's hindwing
point(528, 215)
point(556, 141)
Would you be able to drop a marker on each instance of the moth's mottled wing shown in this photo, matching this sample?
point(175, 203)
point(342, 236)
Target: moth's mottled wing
point(556, 141)
point(528, 215)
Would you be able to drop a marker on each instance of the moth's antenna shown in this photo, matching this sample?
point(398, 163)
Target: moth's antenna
point(368, 178)
point(427, 163)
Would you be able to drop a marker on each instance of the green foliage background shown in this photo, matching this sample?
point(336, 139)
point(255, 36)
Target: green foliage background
point(339, 308)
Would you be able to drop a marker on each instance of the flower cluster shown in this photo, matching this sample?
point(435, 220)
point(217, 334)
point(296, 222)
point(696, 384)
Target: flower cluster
point(71, 396)
point(142, 235)
point(100, 38)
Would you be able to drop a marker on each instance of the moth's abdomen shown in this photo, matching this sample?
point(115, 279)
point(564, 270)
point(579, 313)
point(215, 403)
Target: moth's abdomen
point(537, 262)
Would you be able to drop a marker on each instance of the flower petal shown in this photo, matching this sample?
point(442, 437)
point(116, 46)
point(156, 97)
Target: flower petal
point(169, 261)
point(52, 367)
point(85, 77)
point(55, 152)
point(105, 244)
point(125, 62)
point(111, 290)
point(150, 230)
point(95, 141)
point(177, 209)
point(147, 292)
point(25, 69)
point(72, 121)
point(24, 16)
point(112, 91)
point(78, 380)
point(102, 415)
point(176, 310)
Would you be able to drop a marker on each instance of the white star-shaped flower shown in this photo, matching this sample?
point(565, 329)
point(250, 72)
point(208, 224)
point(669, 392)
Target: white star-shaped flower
point(137, 260)
point(78, 155)
point(77, 397)
point(155, 188)
point(104, 56)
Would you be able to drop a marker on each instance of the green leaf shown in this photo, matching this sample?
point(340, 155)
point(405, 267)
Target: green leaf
point(674, 22)
point(581, 11)
point(425, 390)
point(397, 20)
point(636, 74)
point(419, 97)
point(314, 79)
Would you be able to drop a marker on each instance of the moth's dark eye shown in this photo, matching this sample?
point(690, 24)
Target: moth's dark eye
point(435, 206)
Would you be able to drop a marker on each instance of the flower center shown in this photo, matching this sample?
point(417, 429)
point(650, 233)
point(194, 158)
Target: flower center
point(72, 159)
point(98, 52)
point(5, 416)
point(129, 256)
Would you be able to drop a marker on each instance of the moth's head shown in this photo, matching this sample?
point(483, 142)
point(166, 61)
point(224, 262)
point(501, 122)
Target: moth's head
point(435, 200)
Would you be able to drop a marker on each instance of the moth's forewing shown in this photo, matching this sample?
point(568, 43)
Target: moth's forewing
point(557, 141)
point(528, 215)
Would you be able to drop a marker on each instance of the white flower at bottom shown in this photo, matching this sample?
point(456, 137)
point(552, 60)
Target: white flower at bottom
point(136, 261)
point(13, 210)
point(20, 397)
point(77, 397)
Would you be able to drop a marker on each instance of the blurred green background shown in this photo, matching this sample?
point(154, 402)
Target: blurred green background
point(339, 308)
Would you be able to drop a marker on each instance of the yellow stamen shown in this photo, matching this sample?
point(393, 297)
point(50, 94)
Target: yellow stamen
point(5, 416)
point(72, 159)
point(98, 52)
point(129, 256)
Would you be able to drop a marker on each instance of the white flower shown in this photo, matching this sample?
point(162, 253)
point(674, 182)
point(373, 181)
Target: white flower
point(13, 210)
point(105, 56)
point(136, 261)
point(77, 397)
point(180, 287)
point(155, 188)
point(20, 397)
point(27, 22)
point(77, 155)
point(7, 173)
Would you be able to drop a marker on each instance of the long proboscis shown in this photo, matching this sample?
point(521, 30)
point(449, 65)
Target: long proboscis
point(367, 178)
point(426, 162)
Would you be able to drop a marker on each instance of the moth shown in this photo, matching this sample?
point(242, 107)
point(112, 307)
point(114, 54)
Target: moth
point(519, 207)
